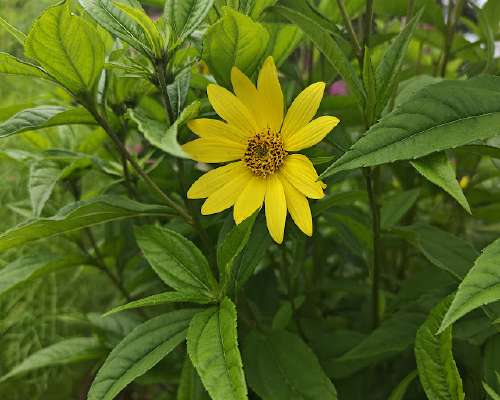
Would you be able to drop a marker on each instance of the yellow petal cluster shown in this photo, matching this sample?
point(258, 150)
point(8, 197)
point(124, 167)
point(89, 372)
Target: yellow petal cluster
point(257, 138)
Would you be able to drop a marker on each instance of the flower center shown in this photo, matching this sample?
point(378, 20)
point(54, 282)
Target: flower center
point(264, 154)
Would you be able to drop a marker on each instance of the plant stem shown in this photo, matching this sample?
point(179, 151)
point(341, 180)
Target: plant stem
point(123, 151)
point(350, 29)
point(372, 198)
point(368, 23)
point(453, 15)
point(162, 83)
point(102, 266)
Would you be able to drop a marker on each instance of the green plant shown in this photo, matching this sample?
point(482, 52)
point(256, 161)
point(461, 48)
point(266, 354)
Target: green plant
point(108, 264)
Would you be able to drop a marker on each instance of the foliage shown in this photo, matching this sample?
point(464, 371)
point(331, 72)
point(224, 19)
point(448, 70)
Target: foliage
point(112, 283)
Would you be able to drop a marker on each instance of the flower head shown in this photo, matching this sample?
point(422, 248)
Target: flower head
point(259, 140)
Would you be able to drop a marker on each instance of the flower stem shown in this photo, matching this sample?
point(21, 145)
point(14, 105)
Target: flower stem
point(371, 187)
point(453, 15)
point(350, 29)
point(123, 152)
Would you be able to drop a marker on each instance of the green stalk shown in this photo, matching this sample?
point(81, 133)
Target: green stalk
point(453, 15)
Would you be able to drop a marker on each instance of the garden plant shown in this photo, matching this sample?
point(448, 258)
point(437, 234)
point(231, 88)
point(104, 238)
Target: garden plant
point(250, 199)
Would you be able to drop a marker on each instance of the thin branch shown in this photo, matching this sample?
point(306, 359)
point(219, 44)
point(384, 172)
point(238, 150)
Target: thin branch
point(350, 29)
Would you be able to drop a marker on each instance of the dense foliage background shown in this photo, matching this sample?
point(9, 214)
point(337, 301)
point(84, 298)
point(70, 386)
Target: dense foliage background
point(394, 297)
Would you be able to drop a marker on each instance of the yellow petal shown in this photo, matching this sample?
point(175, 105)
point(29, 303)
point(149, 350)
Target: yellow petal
point(225, 196)
point(271, 96)
point(303, 109)
point(275, 208)
point(231, 109)
point(213, 180)
point(300, 172)
point(246, 91)
point(215, 129)
point(312, 133)
point(298, 206)
point(214, 150)
point(250, 199)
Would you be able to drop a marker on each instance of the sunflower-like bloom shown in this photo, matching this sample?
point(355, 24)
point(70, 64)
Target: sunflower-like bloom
point(258, 135)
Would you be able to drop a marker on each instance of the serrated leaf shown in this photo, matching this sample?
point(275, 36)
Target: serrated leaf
point(138, 352)
point(441, 116)
point(161, 298)
point(27, 268)
point(12, 65)
point(213, 348)
point(232, 245)
point(235, 40)
point(437, 169)
point(178, 91)
point(280, 366)
point(283, 40)
point(437, 370)
point(480, 286)
point(184, 16)
point(68, 351)
point(387, 71)
point(153, 35)
point(328, 46)
point(118, 23)
point(44, 175)
point(177, 261)
point(67, 47)
point(400, 390)
point(77, 216)
point(446, 251)
point(396, 206)
point(44, 117)
point(160, 135)
point(14, 32)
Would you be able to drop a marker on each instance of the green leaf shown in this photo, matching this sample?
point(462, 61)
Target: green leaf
point(153, 35)
point(280, 366)
point(15, 33)
point(437, 169)
point(235, 40)
point(138, 352)
point(178, 91)
point(184, 16)
point(328, 46)
point(68, 351)
point(441, 116)
point(480, 286)
point(283, 40)
point(213, 348)
point(370, 85)
point(491, 363)
point(158, 134)
point(44, 175)
point(67, 47)
point(190, 386)
point(437, 370)
point(232, 245)
point(177, 261)
point(387, 72)
point(44, 117)
point(489, 390)
point(401, 328)
point(77, 216)
point(395, 207)
point(158, 299)
point(118, 23)
point(12, 65)
point(446, 251)
point(245, 263)
point(30, 267)
point(399, 391)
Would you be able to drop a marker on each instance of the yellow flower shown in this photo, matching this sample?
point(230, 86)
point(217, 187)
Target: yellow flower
point(257, 134)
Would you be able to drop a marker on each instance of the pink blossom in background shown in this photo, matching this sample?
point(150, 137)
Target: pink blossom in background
point(135, 148)
point(338, 88)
